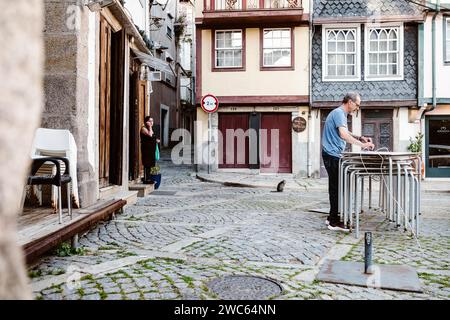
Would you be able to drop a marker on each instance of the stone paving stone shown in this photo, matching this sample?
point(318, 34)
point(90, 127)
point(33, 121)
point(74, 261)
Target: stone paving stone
point(261, 227)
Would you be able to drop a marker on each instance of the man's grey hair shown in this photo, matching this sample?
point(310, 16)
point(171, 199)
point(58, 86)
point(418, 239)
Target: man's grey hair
point(351, 96)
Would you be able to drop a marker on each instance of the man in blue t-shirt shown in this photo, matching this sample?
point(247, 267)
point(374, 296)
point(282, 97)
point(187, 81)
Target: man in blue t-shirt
point(335, 136)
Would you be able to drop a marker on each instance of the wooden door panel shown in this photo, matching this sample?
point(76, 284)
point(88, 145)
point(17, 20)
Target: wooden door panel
point(281, 162)
point(104, 112)
point(233, 121)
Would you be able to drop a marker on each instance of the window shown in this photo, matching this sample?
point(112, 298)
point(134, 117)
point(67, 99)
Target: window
point(341, 54)
point(228, 49)
point(384, 53)
point(447, 39)
point(169, 32)
point(277, 47)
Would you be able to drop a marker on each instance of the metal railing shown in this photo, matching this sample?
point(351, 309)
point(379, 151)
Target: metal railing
point(238, 5)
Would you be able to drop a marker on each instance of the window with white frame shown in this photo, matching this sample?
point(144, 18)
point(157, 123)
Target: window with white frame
point(228, 49)
point(447, 39)
point(341, 54)
point(277, 48)
point(384, 53)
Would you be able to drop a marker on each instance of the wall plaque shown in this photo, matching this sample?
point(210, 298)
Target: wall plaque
point(299, 124)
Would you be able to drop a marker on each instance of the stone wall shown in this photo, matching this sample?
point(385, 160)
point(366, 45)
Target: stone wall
point(66, 83)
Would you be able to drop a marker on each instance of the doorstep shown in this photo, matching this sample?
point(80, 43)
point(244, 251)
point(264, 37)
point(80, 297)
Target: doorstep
point(142, 189)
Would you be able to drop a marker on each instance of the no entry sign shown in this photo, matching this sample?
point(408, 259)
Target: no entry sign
point(210, 103)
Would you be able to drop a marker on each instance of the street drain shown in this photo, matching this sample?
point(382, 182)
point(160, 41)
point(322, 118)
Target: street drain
point(244, 288)
point(163, 193)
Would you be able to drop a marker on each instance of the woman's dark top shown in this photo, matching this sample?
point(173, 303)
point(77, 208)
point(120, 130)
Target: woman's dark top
point(148, 148)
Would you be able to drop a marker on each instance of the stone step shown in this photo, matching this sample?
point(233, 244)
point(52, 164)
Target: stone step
point(117, 193)
point(142, 189)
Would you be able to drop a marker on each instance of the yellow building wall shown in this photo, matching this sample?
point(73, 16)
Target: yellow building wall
point(253, 81)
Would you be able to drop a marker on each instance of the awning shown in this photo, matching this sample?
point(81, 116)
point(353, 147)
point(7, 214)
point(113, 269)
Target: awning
point(153, 62)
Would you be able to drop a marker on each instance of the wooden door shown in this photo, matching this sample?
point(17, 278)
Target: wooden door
point(281, 160)
point(230, 149)
point(142, 107)
point(104, 112)
point(348, 147)
point(378, 125)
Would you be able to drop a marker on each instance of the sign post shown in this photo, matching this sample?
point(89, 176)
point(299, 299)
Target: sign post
point(209, 104)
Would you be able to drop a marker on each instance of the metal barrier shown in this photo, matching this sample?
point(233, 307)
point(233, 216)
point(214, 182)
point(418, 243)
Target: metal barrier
point(399, 191)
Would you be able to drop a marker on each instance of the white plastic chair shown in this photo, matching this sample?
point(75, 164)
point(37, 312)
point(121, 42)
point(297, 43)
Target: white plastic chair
point(57, 142)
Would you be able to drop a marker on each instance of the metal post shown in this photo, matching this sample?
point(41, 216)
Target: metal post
point(209, 141)
point(390, 195)
point(399, 184)
point(60, 205)
point(74, 241)
point(368, 253)
point(370, 192)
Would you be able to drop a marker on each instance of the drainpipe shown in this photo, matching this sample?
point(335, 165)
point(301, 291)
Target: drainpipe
point(433, 57)
point(310, 134)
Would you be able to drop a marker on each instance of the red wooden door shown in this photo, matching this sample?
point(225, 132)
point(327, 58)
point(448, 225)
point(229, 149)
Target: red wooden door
point(233, 149)
point(276, 158)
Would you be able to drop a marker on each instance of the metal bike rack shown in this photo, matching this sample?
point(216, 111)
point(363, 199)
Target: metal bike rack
point(399, 191)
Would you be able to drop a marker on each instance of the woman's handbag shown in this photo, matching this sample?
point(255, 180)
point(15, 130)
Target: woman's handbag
point(157, 153)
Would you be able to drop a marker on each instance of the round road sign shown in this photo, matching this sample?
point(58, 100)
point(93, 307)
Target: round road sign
point(210, 103)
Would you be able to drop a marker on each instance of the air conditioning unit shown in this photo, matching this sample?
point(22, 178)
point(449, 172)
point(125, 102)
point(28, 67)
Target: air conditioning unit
point(155, 76)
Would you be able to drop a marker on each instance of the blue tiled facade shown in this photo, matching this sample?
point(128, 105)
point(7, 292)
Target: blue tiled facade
point(364, 8)
point(370, 90)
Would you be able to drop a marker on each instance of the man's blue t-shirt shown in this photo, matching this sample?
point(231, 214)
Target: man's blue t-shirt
point(332, 143)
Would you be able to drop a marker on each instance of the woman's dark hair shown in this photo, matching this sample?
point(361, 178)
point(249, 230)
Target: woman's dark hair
point(147, 118)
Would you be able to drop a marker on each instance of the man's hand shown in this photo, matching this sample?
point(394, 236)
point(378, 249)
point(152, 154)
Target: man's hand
point(158, 141)
point(365, 139)
point(368, 146)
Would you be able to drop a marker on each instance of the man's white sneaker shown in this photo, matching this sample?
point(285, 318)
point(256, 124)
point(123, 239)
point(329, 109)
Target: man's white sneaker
point(338, 226)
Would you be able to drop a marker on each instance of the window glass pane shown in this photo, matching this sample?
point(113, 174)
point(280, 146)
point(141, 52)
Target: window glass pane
point(393, 69)
point(350, 46)
point(383, 35)
point(340, 70)
point(332, 70)
point(350, 59)
point(331, 46)
point(340, 58)
point(286, 42)
point(448, 50)
point(341, 35)
point(383, 69)
point(383, 57)
point(373, 58)
point(350, 36)
point(373, 69)
point(392, 58)
point(439, 143)
point(350, 70)
point(331, 36)
point(393, 45)
point(331, 59)
point(373, 35)
point(383, 46)
point(341, 47)
point(393, 34)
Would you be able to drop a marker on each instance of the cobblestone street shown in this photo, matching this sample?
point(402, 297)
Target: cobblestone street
point(170, 245)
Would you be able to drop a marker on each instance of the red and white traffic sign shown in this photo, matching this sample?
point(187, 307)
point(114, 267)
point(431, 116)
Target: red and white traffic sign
point(210, 103)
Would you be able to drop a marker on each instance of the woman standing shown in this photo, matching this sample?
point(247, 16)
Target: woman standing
point(148, 147)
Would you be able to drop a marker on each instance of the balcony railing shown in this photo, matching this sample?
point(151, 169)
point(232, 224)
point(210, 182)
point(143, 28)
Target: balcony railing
point(239, 5)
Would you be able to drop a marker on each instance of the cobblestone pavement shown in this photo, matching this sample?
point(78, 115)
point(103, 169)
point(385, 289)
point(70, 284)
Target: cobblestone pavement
point(171, 246)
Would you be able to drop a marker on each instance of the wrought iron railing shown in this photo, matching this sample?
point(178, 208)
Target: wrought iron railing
point(238, 5)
